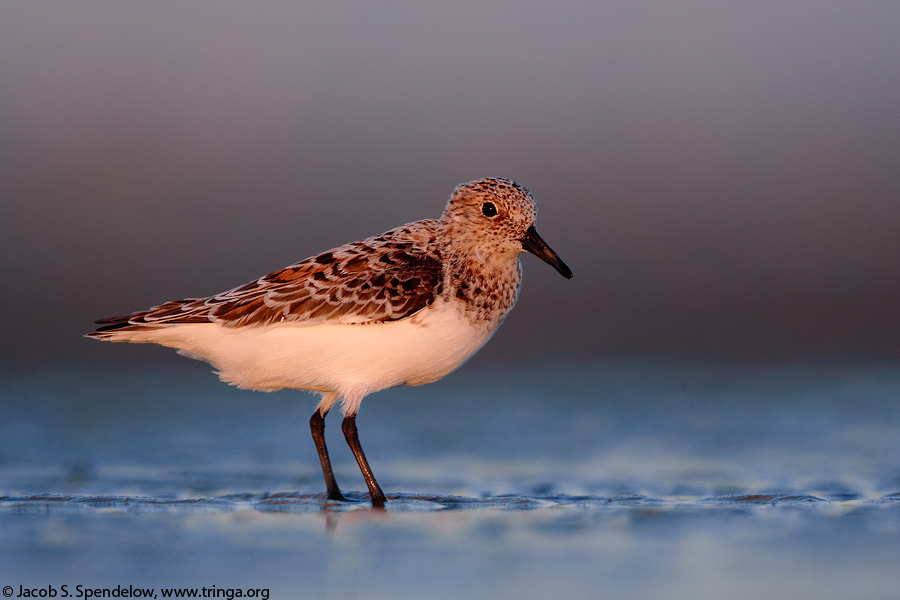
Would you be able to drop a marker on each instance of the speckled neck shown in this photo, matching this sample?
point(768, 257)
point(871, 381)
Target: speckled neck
point(486, 295)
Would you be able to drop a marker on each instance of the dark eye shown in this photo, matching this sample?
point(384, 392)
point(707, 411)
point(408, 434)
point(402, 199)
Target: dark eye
point(488, 209)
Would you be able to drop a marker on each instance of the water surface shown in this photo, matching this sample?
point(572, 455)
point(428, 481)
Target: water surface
point(592, 480)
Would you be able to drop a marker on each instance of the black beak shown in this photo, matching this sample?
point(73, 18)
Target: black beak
point(533, 243)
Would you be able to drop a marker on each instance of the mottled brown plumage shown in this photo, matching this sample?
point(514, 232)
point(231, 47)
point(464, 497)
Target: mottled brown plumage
point(383, 278)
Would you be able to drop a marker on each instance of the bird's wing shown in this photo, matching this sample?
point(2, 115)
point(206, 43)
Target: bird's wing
point(384, 278)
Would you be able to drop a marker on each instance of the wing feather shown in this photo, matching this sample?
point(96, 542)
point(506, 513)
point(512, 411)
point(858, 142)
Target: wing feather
point(384, 278)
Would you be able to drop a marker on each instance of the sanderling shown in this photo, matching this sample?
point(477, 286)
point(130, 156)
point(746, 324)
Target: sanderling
point(406, 307)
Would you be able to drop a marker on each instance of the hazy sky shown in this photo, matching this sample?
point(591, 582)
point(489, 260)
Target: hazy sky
point(723, 177)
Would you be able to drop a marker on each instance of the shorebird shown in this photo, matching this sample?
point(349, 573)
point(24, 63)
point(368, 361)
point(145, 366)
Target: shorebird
point(403, 308)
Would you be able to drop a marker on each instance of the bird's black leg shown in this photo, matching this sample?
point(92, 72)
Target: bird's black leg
point(352, 437)
point(317, 426)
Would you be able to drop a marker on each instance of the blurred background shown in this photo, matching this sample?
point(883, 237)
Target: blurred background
point(708, 409)
point(722, 177)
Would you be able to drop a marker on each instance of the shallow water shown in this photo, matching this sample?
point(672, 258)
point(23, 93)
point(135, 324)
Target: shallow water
point(620, 481)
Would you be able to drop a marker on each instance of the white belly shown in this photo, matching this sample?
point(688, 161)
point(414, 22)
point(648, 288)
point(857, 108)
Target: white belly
point(348, 360)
